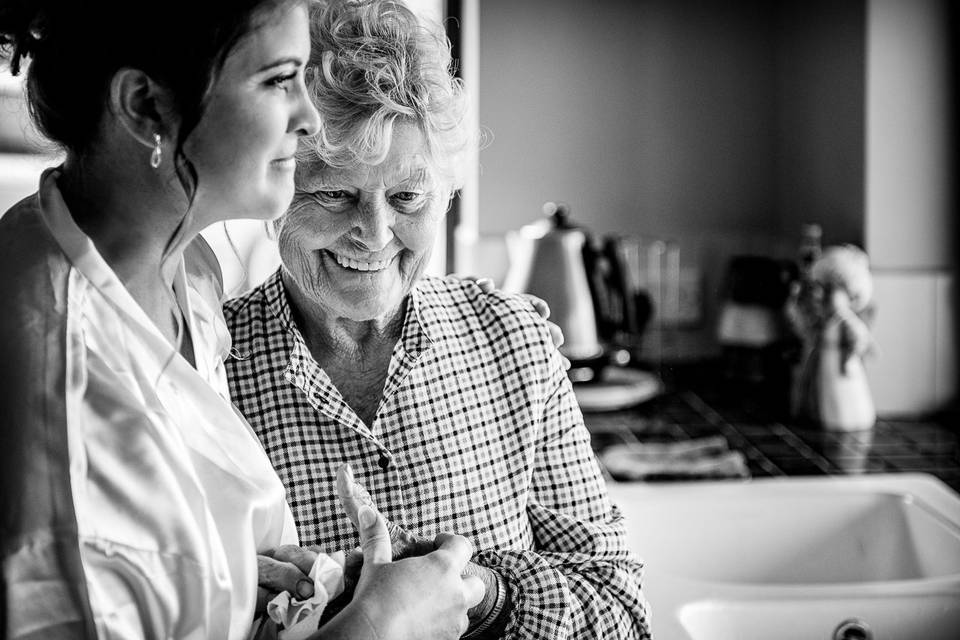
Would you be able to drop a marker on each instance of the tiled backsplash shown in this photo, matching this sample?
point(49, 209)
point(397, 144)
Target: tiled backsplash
point(773, 446)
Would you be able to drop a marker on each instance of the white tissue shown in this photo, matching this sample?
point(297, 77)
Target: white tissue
point(299, 618)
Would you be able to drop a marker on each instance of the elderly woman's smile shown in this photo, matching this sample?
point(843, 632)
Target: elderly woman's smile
point(361, 264)
point(357, 239)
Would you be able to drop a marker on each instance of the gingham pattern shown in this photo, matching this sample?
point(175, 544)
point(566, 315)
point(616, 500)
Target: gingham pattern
point(485, 439)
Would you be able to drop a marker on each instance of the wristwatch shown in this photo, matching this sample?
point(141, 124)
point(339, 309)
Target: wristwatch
point(494, 615)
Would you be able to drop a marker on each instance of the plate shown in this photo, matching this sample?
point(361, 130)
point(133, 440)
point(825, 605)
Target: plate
point(618, 388)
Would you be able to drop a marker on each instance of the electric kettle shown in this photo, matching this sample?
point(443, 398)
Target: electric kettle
point(547, 259)
point(586, 283)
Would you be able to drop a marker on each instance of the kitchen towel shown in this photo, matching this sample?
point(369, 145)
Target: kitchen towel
point(694, 459)
point(299, 619)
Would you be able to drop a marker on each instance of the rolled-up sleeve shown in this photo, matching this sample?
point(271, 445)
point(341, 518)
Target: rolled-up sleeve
point(581, 580)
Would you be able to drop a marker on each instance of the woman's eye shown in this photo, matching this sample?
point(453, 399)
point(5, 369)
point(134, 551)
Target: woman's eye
point(282, 81)
point(406, 196)
point(326, 197)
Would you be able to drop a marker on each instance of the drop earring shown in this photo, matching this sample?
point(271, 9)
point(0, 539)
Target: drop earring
point(157, 154)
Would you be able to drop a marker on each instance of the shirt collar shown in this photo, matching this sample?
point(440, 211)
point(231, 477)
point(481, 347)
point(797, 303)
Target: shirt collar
point(279, 306)
point(83, 254)
point(431, 310)
point(427, 321)
point(426, 325)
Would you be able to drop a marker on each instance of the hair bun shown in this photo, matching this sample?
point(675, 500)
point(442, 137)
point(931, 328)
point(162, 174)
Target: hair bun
point(22, 30)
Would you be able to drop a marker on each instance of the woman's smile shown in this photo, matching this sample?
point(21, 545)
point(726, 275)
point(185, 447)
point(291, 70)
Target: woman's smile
point(285, 164)
point(360, 264)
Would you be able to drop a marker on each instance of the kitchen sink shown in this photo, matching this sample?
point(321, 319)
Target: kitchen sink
point(928, 616)
point(798, 557)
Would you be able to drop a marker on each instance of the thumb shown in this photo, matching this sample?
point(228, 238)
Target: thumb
point(374, 537)
point(352, 494)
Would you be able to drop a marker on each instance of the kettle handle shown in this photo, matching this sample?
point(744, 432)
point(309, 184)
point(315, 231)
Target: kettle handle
point(622, 289)
point(619, 305)
point(598, 267)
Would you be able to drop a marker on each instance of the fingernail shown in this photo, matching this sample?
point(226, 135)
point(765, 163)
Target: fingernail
point(366, 516)
point(347, 471)
point(393, 529)
point(360, 493)
point(304, 588)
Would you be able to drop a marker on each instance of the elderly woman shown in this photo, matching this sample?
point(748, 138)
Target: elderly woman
point(452, 405)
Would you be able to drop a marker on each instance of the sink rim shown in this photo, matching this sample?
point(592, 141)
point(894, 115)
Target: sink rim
point(940, 497)
point(777, 591)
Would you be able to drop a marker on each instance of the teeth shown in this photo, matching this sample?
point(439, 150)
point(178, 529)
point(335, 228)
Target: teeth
point(359, 265)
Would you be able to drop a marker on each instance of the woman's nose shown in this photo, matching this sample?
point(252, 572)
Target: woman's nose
point(373, 227)
point(305, 117)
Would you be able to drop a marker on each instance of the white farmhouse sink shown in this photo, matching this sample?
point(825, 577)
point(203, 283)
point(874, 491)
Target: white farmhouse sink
point(795, 558)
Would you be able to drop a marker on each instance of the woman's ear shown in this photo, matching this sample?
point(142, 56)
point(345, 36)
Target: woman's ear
point(143, 106)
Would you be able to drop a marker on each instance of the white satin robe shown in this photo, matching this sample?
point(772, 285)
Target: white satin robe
point(172, 492)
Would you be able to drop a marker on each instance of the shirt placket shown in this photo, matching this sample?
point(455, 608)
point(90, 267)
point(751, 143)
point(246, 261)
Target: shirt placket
point(305, 374)
point(410, 350)
point(414, 343)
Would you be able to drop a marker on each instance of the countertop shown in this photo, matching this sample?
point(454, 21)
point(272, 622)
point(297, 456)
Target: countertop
point(699, 402)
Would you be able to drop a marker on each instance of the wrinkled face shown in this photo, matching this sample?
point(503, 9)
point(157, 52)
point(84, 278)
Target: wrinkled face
point(243, 147)
point(355, 241)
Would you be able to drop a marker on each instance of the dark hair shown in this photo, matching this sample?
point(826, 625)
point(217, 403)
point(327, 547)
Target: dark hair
point(76, 46)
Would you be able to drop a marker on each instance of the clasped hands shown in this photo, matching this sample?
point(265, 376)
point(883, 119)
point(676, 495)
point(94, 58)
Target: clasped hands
point(397, 585)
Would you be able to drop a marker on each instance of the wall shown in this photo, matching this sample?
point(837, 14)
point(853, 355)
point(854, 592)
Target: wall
point(646, 117)
point(820, 116)
point(911, 203)
point(723, 125)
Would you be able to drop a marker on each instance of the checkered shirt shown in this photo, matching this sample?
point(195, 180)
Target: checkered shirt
point(483, 436)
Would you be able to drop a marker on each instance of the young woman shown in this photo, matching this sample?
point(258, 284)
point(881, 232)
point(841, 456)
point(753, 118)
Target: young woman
point(134, 498)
